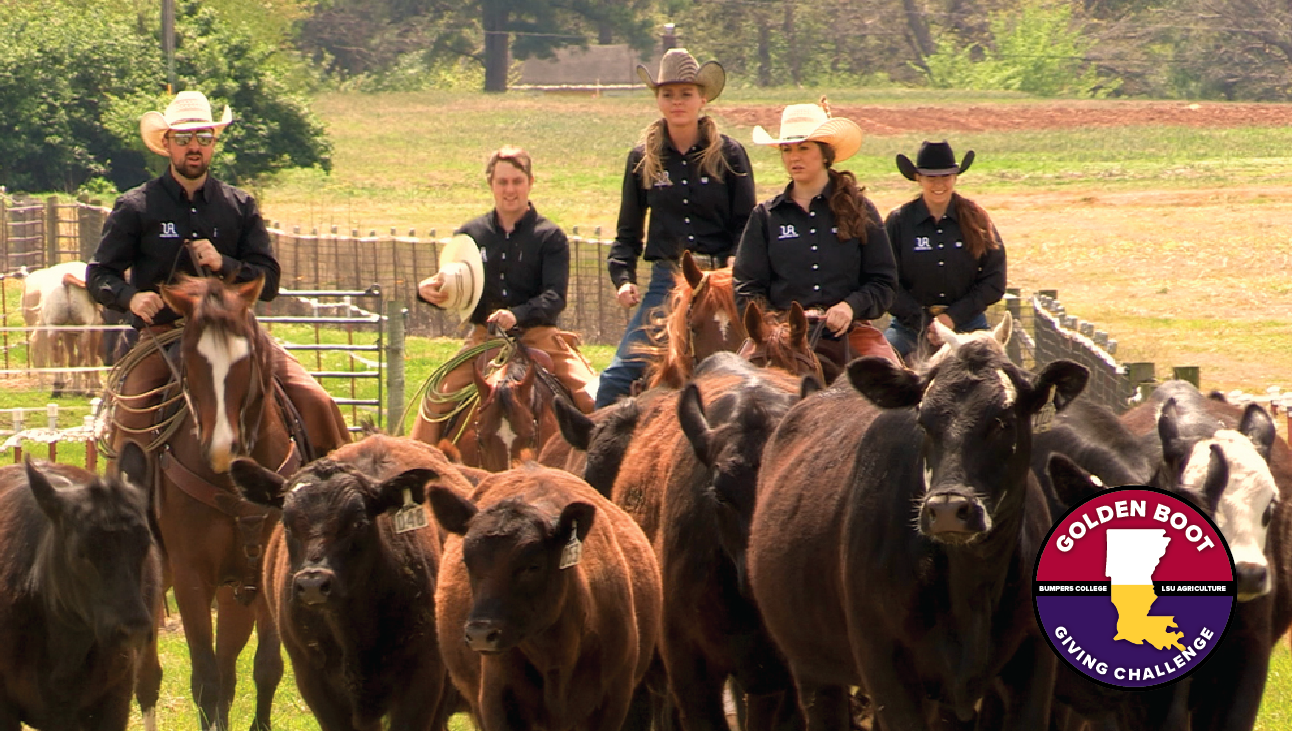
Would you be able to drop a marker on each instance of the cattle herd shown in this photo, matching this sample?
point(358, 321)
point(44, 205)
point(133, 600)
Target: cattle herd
point(855, 554)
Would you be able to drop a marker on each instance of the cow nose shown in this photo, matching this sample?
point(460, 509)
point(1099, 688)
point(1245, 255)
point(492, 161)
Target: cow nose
point(483, 635)
point(951, 513)
point(1251, 581)
point(313, 586)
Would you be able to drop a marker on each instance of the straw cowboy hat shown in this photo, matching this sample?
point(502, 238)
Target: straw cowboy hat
point(463, 272)
point(679, 67)
point(187, 111)
point(934, 158)
point(812, 123)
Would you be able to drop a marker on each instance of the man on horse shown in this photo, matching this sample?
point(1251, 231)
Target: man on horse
point(186, 222)
point(511, 272)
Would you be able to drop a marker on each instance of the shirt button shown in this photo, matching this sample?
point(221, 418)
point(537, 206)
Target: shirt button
point(686, 200)
point(941, 263)
point(684, 163)
point(687, 220)
point(691, 238)
point(814, 247)
point(942, 294)
point(816, 287)
point(812, 231)
point(939, 230)
point(812, 213)
point(939, 246)
point(816, 266)
point(194, 210)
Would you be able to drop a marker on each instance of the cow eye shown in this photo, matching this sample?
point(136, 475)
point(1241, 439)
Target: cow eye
point(1268, 515)
point(529, 570)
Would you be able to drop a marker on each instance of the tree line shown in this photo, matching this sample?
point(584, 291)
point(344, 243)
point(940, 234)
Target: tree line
point(75, 76)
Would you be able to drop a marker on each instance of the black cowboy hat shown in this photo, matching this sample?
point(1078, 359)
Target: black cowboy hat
point(934, 158)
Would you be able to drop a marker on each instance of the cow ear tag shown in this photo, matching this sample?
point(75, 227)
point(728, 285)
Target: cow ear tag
point(573, 550)
point(410, 517)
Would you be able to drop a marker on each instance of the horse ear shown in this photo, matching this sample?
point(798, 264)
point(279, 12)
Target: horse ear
point(754, 321)
point(575, 426)
point(257, 484)
point(483, 389)
point(177, 298)
point(452, 510)
point(798, 325)
point(45, 493)
point(691, 270)
point(695, 425)
point(249, 292)
point(389, 495)
point(1258, 427)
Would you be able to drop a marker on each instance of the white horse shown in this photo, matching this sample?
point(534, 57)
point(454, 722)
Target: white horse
point(57, 296)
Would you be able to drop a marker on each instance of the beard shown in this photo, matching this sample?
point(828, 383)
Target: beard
point(191, 169)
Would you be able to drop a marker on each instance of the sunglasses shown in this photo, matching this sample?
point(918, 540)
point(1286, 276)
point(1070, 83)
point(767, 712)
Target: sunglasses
point(205, 138)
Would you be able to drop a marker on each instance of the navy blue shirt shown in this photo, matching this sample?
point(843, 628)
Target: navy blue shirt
point(148, 228)
point(934, 267)
point(689, 210)
point(791, 255)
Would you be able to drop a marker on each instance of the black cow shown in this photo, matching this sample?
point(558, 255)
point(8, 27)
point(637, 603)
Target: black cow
point(592, 447)
point(351, 598)
point(894, 539)
point(80, 587)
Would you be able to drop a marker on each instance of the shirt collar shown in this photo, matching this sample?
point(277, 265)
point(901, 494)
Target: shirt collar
point(786, 195)
point(526, 220)
point(172, 186)
point(922, 211)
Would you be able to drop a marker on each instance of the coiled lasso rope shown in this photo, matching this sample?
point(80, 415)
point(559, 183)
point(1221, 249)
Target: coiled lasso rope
point(114, 399)
point(464, 398)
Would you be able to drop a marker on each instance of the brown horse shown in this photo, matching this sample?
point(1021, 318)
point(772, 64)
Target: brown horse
point(780, 342)
point(699, 319)
point(212, 538)
point(513, 417)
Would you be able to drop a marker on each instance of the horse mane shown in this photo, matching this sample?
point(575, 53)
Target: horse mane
point(669, 328)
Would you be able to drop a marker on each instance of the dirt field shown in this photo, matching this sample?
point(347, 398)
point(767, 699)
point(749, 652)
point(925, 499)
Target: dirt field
point(881, 120)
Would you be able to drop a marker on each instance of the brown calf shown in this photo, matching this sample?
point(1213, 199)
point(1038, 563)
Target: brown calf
point(557, 594)
point(351, 597)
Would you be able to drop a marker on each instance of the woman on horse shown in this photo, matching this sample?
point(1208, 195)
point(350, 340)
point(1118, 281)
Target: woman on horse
point(819, 242)
point(950, 259)
point(524, 262)
point(699, 189)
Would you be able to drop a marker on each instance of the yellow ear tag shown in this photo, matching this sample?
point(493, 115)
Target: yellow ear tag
point(573, 550)
point(410, 517)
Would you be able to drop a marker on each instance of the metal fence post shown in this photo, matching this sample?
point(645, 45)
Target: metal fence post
point(395, 367)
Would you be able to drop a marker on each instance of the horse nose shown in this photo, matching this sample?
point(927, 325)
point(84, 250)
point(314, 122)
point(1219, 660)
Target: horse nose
point(483, 635)
point(1251, 580)
point(221, 457)
point(950, 513)
point(313, 586)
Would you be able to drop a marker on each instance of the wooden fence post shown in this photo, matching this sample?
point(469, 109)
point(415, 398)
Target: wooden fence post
point(51, 231)
point(1187, 373)
point(395, 367)
point(4, 230)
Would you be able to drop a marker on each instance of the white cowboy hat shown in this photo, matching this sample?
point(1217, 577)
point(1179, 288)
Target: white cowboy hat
point(811, 123)
point(187, 111)
point(679, 67)
point(463, 272)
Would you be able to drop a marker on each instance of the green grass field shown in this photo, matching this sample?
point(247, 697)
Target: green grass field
point(176, 709)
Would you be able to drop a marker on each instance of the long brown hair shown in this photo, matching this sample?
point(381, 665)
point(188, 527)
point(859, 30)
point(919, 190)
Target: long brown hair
point(712, 162)
point(975, 227)
point(848, 201)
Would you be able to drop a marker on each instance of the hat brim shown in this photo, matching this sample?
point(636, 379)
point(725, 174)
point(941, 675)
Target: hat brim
point(462, 248)
point(840, 133)
point(906, 167)
point(711, 79)
point(960, 169)
point(153, 128)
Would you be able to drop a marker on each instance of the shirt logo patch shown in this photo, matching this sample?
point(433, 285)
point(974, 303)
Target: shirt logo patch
point(168, 231)
point(788, 232)
point(662, 180)
point(922, 244)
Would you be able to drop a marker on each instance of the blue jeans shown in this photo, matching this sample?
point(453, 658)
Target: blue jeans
point(617, 378)
point(903, 339)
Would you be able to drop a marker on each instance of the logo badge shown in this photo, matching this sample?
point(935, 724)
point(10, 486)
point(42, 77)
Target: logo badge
point(1134, 587)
